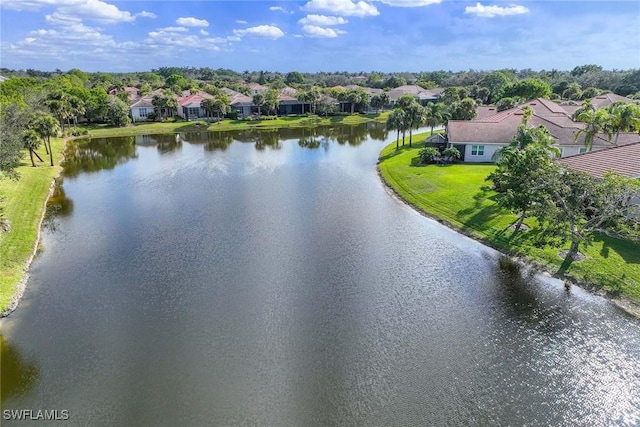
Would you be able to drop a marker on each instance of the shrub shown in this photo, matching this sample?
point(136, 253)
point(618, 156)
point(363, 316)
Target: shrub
point(451, 154)
point(429, 155)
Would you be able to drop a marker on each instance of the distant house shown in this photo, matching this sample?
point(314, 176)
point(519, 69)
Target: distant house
point(189, 105)
point(422, 95)
point(257, 88)
point(3, 79)
point(134, 93)
point(479, 139)
point(142, 107)
point(239, 102)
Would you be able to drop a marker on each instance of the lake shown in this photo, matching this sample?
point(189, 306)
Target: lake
point(269, 278)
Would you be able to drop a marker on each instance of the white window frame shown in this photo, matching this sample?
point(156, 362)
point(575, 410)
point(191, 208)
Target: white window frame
point(143, 112)
point(193, 111)
point(479, 150)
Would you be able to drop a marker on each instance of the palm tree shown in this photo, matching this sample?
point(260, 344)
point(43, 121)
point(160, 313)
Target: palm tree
point(595, 122)
point(31, 141)
point(435, 114)
point(207, 105)
point(623, 118)
point(46, 126)
point(221, 106)
point(259, 100)
point(395, 121)
point(416, 117)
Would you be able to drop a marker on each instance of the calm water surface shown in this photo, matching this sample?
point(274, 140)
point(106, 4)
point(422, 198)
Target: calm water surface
point(269, 279)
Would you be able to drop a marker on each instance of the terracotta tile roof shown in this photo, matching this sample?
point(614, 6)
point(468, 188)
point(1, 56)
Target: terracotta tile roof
point(624, 159)
point(415, 91)
point(193, 99)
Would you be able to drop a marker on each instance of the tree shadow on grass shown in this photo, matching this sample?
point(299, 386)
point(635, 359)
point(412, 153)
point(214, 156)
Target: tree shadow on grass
point(626, 249)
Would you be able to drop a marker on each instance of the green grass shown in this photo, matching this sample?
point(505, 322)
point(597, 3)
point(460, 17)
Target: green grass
point(457, 195)
point(149, 128)
point(23, 206)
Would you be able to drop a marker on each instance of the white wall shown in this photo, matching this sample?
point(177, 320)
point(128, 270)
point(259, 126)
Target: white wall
point(489, 151)
point(135, 113)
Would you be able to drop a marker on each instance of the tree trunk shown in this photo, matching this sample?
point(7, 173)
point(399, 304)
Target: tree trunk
point(403, 134)
point(33, 163)
point(50, 150)
point(431, 131)
point(398, 140)
point(573, 250)
point(615, 141)
point(520, 220)
point(410, 136)
point(35, 153)
point(46, 148)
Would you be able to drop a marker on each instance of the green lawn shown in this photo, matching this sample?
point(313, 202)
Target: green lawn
point(457, 195)
point(144, 128)
point(23, 206)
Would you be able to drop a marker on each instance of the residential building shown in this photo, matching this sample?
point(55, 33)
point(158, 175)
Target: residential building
point(479, 139)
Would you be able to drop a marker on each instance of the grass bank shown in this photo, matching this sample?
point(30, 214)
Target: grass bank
point(24, 206)
point(457, 195)
point(149, 128)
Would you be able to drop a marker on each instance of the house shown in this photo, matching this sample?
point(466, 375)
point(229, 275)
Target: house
point(257, 88)
point(422, 95)
point(239, 102)
point(134, 92)
point(143, 106)
point(189, 105)
point(622, 159)
point(479, 139)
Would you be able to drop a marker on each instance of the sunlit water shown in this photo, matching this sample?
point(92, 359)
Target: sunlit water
point(275, 282)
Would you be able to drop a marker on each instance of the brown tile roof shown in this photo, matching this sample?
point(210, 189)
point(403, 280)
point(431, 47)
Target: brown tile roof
point(483, 111)
point(624, 159)
point(238, 99)
point(604, 100)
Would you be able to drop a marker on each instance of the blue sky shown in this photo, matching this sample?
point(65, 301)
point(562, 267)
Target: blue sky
point(318, 35)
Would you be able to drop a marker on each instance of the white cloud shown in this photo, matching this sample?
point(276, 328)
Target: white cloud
point(322, 20)
point(174, 29)
point(35, 5)
point(493, 11)
point(168, 38)
point(192, 22)
point(341, 7)
point(145, 14)
point(319, 32)
point(267, 31)
point(409, 3)
point(280, 9)
point(240, 21)
point(204, 33)
point(96, 10)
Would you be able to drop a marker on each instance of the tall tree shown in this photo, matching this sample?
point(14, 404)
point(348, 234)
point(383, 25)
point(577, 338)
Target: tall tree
point(623, 117)
point(31, 142)
point(416, 117)
point(595, 122)
point(395, 121)
point(46, 126)
point(520, 178)
point(580, 205)
point(435, 114)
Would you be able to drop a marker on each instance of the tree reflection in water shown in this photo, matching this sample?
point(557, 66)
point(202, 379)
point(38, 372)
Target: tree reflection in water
point(94, 155)
point(18, 374)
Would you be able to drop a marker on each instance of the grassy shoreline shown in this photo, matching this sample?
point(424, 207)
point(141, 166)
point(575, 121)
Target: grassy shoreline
point(24, 205)
point(150, 128)
point(456, 196)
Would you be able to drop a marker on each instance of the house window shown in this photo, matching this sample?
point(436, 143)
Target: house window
point(144, 112)
point(477, 150)
point(193, 111)
point(583, 150)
